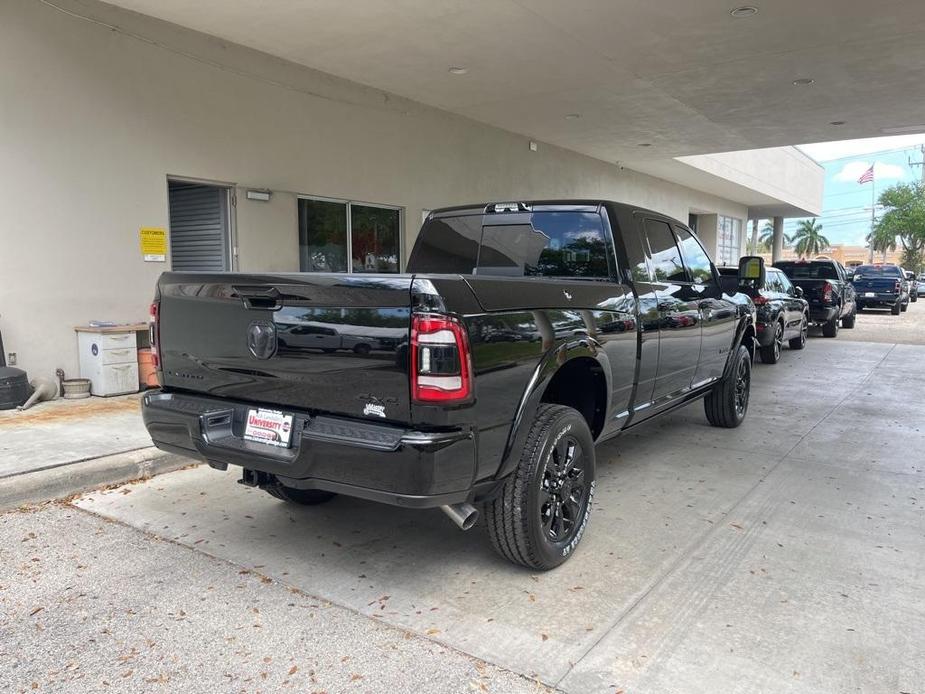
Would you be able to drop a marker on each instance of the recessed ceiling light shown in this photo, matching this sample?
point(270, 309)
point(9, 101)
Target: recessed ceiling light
point(744, 11)
point(644, 144)
point(899, 129)
point(572, 116)
point(458, 70)
point(803, 81)
point(836, 122)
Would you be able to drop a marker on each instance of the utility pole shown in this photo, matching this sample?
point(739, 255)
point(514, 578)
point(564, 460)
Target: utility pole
point(919, 163)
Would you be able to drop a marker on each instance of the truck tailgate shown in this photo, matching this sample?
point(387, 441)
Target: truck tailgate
point(329, 343)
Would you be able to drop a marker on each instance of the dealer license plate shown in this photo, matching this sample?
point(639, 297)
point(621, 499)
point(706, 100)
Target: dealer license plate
point(866, 294)
point(268, 426)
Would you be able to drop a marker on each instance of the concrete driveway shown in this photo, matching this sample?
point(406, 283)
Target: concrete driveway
point(787, 555)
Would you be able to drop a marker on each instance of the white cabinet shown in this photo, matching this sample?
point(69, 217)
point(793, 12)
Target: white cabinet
point(109, 358)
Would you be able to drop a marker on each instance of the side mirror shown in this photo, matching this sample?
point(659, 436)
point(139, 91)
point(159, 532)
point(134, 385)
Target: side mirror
point(799, 292)
point(751, 271)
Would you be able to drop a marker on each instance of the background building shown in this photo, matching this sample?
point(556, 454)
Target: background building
point(113, 122)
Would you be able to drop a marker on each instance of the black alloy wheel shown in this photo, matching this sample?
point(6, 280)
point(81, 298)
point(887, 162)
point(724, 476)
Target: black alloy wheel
point(743, 381)
point(727, 403)
point(540, 513)
point(563, 490)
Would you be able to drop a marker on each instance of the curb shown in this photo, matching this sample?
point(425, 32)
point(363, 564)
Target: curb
point(74, 478)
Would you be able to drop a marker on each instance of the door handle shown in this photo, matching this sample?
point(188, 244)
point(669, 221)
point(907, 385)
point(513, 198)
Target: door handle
point(259, 298)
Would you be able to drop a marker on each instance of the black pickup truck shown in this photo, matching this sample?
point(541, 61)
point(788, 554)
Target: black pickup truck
point(521, 334)
point(826, 286)
point(882, 285)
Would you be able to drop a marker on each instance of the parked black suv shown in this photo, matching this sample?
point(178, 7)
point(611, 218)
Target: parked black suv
point(782, 312)
point(522, 334)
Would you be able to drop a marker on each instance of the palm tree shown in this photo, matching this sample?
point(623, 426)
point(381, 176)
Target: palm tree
point(766, 240)
point(809, 239)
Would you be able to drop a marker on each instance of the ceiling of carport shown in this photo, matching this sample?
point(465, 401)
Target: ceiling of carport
point(682, 75)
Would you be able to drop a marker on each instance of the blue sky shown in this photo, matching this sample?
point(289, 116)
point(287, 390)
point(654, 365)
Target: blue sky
point(845, 214)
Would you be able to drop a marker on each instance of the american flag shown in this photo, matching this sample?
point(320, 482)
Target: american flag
point(867, 176)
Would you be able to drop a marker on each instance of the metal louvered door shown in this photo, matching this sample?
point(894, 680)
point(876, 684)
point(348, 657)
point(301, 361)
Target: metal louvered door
point(199, 227)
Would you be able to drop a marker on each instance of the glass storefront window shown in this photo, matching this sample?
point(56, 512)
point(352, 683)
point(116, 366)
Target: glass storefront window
point(728, 240)
point(341, 236)
point(322, 236)
point(374, 235)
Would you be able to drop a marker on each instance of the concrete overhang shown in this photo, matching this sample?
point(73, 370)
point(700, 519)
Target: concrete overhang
point(775, 182)
point(679, 76)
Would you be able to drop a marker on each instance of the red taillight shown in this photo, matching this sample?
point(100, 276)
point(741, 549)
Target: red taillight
point(760, 300)
point(441, 368)
point(827, 290)
point(896, 287)
point(154, 335)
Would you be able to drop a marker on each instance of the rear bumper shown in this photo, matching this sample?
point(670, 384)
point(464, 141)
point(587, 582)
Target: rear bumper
point(384, 463)
point(878, 298)
point(823, 314)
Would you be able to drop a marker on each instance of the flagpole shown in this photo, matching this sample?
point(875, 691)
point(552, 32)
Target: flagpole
point(873, 193)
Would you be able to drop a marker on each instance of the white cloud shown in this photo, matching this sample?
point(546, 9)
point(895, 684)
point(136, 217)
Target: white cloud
point(852, 171)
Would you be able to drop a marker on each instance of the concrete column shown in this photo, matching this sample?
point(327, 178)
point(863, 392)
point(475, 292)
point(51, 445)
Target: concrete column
point(753, 245)
point(777, 248)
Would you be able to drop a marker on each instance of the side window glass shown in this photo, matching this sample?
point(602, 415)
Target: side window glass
point(696, 259)
point(666, 258)
point(786, 287)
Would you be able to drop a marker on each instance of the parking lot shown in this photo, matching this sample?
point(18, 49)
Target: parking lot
point(785, 555)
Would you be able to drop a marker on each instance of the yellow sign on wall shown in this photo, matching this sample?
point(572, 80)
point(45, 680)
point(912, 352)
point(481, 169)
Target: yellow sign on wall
point(153, 244)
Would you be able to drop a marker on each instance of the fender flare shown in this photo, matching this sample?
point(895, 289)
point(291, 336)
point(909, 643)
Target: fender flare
point(739, 339)
point(550, 364)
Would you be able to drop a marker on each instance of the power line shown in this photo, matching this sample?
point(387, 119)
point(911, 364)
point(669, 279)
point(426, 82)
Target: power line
point(869, 154)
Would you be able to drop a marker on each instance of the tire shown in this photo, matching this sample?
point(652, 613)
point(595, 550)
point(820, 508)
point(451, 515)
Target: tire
point(771, 353)
point(895, 309)
point(860, 307)
point(800, 341)
point(830, 328)
point(904, 307)
point(848, 321)
point(305, 497)
point(527, 522)
point(914, 298)
point(727, 403)
point(362, 349)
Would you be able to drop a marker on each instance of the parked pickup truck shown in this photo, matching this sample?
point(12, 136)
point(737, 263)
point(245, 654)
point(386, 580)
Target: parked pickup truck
point(827, 288)
point(530, 332)
point(881, 285)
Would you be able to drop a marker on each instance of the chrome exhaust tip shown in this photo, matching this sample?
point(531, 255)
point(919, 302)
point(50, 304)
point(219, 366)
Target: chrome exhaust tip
point(464, 515)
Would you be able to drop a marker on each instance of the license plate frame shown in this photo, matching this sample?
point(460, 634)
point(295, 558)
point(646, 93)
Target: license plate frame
point(269, 427)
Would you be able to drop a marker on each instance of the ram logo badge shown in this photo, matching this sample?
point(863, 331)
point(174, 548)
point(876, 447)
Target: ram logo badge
point(261, 339)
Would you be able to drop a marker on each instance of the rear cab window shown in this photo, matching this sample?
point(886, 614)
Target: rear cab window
point(891, 271)
point(808, 271)
point(568, 244)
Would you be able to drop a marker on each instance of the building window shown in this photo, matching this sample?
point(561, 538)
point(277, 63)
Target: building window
point(728, 240)
point(343, 236)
